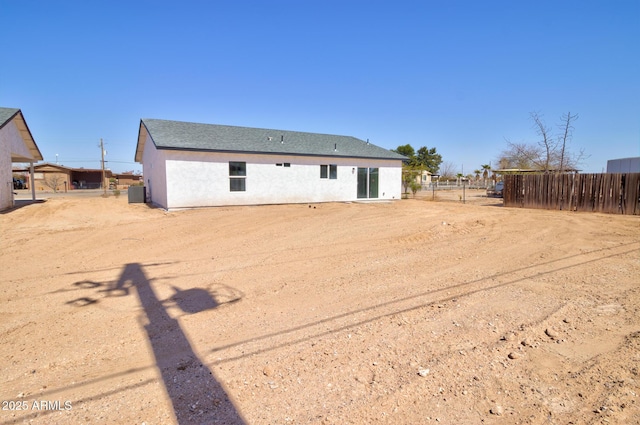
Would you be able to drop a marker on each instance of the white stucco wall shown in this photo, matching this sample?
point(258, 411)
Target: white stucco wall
point(154, 173)
point(11, 144)
point(196, 179)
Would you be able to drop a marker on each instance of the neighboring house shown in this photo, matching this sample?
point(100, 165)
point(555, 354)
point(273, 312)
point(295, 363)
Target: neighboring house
point(624, 165)
point(124, 180)
point(424, 178)
point(59, 178)
point(195, 165)
point(16, 145)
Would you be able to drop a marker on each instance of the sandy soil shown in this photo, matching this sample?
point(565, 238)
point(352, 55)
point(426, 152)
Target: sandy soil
point(394, 313)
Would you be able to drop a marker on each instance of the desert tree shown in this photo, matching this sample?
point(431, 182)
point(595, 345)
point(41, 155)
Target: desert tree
point(447, 170)
point(428, 159)
point(522, 156)
point(409, 177)
point(406, 150)
point(414, 186)
point(53, 181)
point(409, 169)
point(424, 159)
point(547, 144)
point(567, 160)
point(485, 172)
point(412, 167)
point(549, 153)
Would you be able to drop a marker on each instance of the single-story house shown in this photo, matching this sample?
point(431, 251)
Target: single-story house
point(16, 145)
point(126, 179)
point(195, 165)
point(60, 178)
point(424, 178)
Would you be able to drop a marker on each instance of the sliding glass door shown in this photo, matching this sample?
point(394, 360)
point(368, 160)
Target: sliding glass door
point(367, 182)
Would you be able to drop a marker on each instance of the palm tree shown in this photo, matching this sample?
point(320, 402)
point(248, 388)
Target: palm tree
point(485, 174)
point(477, 173)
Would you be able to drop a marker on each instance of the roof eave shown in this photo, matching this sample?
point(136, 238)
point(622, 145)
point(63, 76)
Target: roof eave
point(27, 138)
point(336, 155)
point(140, 144)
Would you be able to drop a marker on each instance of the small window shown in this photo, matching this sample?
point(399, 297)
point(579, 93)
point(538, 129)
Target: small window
point(329, 171)
point(237, 168)
point(287, 164)
point(278, 165)
point(237, 176)
point(333, 171)
point(237, 185)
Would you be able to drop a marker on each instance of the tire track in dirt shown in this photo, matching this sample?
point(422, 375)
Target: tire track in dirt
point(351, 319)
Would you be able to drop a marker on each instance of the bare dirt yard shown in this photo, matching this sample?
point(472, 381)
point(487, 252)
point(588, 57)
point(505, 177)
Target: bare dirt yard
point(410, 312)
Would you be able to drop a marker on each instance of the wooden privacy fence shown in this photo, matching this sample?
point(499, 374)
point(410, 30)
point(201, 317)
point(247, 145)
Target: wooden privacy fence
point(608, 193)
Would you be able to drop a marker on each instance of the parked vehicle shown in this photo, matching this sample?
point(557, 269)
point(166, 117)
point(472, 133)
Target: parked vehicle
point(496, 191)
point(18, 184)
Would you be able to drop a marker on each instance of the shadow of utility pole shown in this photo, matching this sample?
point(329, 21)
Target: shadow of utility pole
point(196, 396)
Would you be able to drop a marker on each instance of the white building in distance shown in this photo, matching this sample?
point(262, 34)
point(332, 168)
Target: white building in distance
point(624, 165)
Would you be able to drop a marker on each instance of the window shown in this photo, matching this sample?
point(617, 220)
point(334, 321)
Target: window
point(333, 171)
point(287, 164)
point(237, 176)
point(237, 168)
point(329, 171)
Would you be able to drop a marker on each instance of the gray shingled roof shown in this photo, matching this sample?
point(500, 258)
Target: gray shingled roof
point(224, 138)
point(6, 114)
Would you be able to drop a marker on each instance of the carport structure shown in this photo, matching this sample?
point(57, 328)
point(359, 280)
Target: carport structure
point(16, 146)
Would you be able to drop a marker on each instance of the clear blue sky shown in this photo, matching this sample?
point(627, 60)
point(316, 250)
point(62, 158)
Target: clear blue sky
point(460, 76)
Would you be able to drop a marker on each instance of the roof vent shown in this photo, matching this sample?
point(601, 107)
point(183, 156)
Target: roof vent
point(335, 147)
point(269, 138)
point(282, 139)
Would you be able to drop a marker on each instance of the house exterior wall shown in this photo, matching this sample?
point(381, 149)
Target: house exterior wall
point(196, 179)
point(11, 144)
point(46, 180)
point(125, 180)
point(154, 173)
point(424, 178)
point(6, 177)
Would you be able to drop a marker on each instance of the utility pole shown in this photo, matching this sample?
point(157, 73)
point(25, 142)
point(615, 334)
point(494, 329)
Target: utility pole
point(103, 173)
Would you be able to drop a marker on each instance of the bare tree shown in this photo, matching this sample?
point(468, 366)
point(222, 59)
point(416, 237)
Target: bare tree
point(549, 153)
point(548, 145)
point(53, 181)
point(522, 156)
point(447, 170)
point(566, 127)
